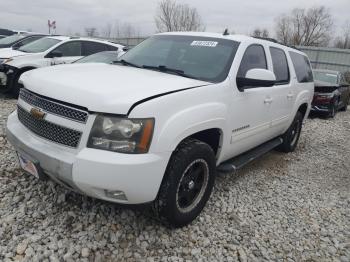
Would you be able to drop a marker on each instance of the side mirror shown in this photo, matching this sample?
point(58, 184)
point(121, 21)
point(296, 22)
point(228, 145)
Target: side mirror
point(54, 54)
point(256, 78)
point(125, 49)
point(15, 47)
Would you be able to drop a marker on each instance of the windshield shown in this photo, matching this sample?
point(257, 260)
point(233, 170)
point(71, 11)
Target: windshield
point(102, 57)
point(326, 77)
point(203, 58)
point(40, 45)
point(10, 39)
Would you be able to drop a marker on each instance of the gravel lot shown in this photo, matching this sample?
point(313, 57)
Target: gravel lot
point(285, 207)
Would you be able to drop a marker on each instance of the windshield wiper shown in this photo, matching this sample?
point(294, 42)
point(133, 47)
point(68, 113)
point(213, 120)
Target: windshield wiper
point(124, 62)
point(165, 69)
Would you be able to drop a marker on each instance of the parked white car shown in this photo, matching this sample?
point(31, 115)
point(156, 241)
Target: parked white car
point(48, 51)
point(157, 126)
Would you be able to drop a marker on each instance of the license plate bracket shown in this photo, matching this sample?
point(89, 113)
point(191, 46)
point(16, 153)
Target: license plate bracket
point(30, 166)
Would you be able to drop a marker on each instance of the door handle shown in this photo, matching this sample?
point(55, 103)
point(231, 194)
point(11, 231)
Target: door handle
point(268, 100)
point(290, 96)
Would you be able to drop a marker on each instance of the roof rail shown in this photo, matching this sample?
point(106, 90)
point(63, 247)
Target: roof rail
point(267, 39)
point(275, 41)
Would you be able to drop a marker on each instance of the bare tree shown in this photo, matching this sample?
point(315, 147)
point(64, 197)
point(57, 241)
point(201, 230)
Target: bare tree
point(260, 33)
point(343, 41)
point(172, 16)
point(311, 27)
point(91, 31)
point(107, 30)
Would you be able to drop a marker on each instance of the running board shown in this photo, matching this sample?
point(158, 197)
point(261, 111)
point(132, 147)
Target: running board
point(238, 162)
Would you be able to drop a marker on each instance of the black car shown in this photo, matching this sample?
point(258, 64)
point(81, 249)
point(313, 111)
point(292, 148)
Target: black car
point(18, 40)
point(332, 92)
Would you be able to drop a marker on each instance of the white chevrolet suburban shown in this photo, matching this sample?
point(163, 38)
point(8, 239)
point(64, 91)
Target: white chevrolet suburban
point(157, 125)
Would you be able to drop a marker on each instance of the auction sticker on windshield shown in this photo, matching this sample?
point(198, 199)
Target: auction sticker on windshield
point(204, 43)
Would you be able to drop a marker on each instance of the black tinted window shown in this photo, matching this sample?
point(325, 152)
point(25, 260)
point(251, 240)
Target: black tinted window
point(112, 48)
point(30, 39)
point(70, 49)
point(302, 67)
point(93, 48)
point(254, 57)
point(280, 65)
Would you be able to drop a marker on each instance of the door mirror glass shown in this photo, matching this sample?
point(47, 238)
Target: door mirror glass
point(54, 53)
point(256, 77)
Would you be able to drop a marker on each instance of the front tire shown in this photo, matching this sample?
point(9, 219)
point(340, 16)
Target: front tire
point(292, 135)
point(187, 183)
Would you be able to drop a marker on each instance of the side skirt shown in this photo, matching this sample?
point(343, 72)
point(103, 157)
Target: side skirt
point(238, 162)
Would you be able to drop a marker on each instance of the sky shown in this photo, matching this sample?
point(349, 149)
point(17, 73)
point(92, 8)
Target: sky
point(72, 16)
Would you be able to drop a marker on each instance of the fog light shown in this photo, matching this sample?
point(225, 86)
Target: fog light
point(116, 194)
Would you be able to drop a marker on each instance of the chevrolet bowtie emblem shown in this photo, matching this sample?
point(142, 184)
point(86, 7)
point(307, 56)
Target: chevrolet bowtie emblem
point(37, 113)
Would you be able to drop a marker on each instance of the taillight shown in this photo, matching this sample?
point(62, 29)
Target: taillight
point(322, 98)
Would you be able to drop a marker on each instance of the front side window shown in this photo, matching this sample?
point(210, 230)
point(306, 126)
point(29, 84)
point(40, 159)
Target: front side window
point(280, 65)
point(40, 45)
point(72, 48)
point(204, 58)
point(302, 67)
point(254, 57)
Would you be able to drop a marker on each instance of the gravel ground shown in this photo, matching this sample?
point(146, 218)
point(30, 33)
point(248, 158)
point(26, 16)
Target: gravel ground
point(283, 207)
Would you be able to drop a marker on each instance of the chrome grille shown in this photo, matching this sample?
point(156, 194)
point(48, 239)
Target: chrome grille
point(53, 107)
point(56, 133)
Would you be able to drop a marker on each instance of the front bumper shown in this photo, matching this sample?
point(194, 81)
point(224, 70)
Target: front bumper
point(326, 108)
point(90, 171)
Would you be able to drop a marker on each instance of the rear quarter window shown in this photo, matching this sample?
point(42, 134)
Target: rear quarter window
point(302, 67)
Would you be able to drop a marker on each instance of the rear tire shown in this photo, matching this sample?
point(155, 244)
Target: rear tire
point(291, 136)
point(187, 184)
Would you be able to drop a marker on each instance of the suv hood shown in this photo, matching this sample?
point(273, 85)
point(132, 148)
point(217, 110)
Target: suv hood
point(9, 52)
point(103, 87)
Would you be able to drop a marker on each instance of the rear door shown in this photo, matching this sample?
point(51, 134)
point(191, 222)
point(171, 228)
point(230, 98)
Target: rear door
point(283, 94)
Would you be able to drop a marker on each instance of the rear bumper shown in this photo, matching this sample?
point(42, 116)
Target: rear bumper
point(90, 171)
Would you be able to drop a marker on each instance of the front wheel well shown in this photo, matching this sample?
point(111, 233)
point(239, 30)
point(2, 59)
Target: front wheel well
point(211, 137)
point(303, 109)
point(25, 69)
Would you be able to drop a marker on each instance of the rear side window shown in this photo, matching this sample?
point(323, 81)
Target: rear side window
point(302, 67)
point(254, 57)
point(280, 65)
point(112, 48)
point(94, 47)
point(72, 48)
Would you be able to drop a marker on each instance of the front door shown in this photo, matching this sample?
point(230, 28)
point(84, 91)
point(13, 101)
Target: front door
point(250, 109)
point(71, 51)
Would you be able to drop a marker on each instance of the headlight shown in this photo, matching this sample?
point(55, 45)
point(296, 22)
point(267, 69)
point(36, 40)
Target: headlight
point(123, 135)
